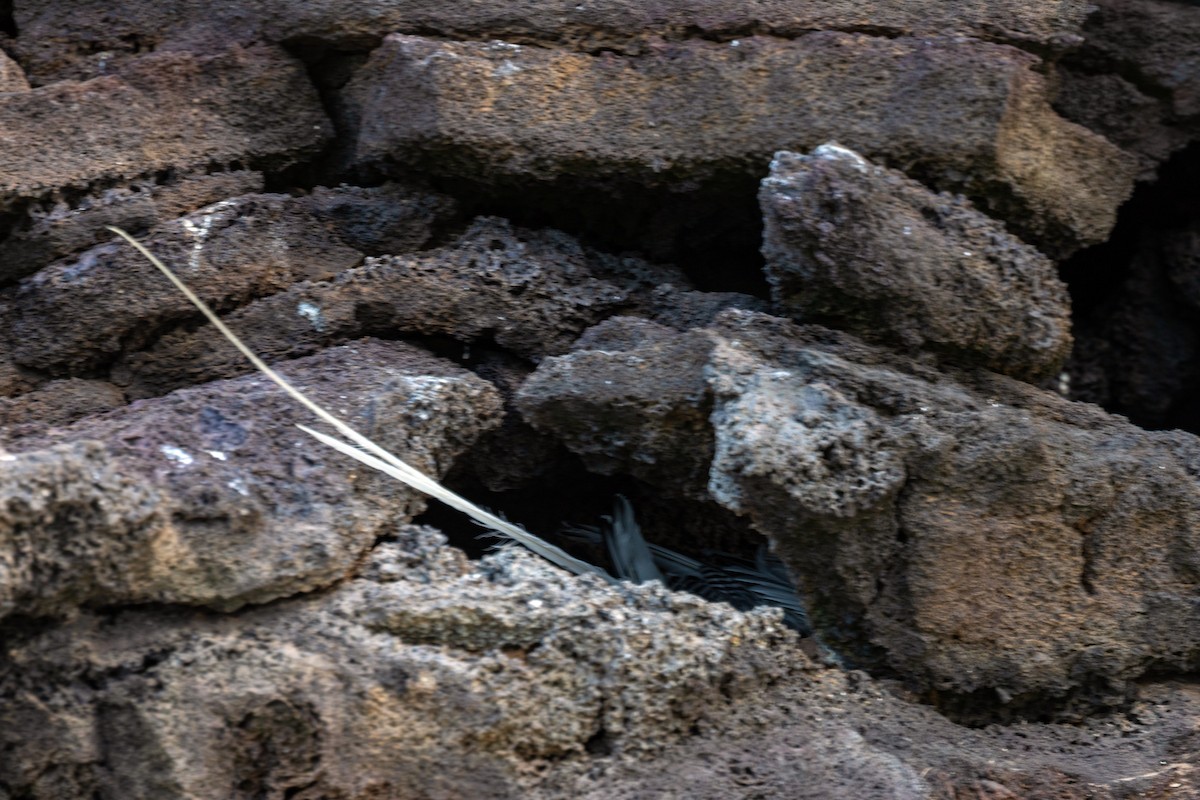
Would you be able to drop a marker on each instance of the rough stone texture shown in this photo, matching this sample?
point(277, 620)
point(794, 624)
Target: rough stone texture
point(57, 403)
point(383, 220)
point(1136, 79)
point(210, 496)
point(976, 534)
point(12, 77)
point(868, 250)
point(532, 293)
point(58, 227)
point(963, 114)
point(64, 39)
point(1159, 39)
point(75, 529)
point(79, 312)
point(647, 415)
point(1002, 554)
point(165, 110)
point(429, 676)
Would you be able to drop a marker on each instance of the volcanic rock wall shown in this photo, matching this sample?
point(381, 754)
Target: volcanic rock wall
point(828, 277)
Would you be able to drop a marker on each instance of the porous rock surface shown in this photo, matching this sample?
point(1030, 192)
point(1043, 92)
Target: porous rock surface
point(75, 312)
point(429, 676)
point(59, 34)
point(12, 77)
point(171, 110)
point(532, 292)
point(671, 115)
point(196, 601)
point(876, 253)
point(1136, 78)
point(210, 496)
point(939, 523)
point(54, 228)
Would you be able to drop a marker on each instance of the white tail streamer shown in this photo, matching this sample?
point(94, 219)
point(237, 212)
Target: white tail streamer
point(375, 456)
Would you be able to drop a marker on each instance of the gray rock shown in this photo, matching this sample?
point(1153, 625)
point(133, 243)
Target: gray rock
point(57, 227)
point(1136, 79)
point(631, 398)
point(427, 677)
point(969, 531)
point(384, 220)
point(531, 292)
point(211, 497)
point(80, 312)
point(868, 250)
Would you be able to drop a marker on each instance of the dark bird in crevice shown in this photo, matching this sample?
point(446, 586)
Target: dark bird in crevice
point(719, 578)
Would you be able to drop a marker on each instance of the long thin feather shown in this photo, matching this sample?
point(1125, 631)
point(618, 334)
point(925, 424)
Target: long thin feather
point(376, 456)
point(627, 547)
point(551, 553)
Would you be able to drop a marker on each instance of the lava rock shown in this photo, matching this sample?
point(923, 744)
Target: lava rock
point(530, 292)
point(12, 77)
point(80, 312)
point(432, 676)
point(210, 496)
point(61, 225)
point(1136, 78)
point(164, 110)
point(865, 249)
point(969, 531)
point(967, 115)
point(62, 39)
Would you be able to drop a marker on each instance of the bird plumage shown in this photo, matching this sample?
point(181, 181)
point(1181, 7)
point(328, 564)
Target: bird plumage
point(721, 578)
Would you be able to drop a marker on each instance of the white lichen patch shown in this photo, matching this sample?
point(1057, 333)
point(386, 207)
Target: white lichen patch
point(176, 454)
point(427, 393)
point(831, 151)
point(505, 69)
point(312, 313)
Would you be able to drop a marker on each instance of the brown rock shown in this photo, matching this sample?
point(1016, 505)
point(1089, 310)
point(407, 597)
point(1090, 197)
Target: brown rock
point(75, 529)
point(865, 249)
point(531, 293)
point(80, 312)
point(65, 39)
point(974, 534)
point(57, 227)
point(211, 497)
point(58, 403)
point(967, 115)
point(1136, 79)
point(165, 110)
point(12, 77)
point(431, 676)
